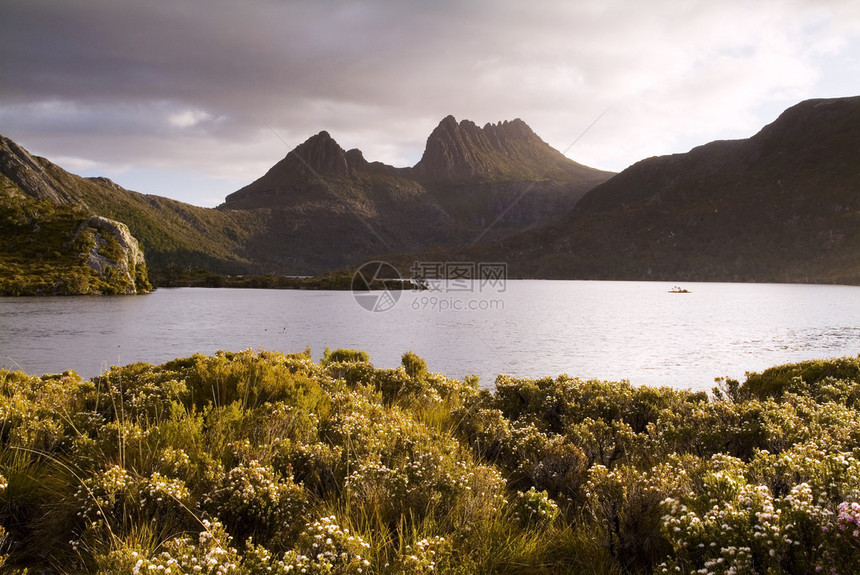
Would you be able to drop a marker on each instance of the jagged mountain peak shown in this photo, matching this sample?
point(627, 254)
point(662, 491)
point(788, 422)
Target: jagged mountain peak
point(449, 127)
point(319, 154)
point(463, 151)
point(515, 127)
point(317, 158)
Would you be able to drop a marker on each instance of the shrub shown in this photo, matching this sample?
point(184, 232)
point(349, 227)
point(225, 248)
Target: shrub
point(252, 501)
point(415, 367)
point(209, 554)
point(534, 508)
point(344, 356)
point(326, 547)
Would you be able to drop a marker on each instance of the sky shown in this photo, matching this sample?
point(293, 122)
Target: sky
point(193, 99)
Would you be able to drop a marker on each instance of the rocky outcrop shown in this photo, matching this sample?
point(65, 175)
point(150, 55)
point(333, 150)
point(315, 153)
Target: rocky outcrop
point(114, 254)
point(457, 151)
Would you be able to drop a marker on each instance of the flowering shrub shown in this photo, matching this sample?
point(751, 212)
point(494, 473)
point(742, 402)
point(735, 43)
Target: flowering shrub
point(37, 433)
point(106, 495)
point(534, 508)
point(604, 443)
point(625, 504)
point(557, 466)
point(411, 477)
point(421, 558)
point(209, 554)
point(742, 527)
point(320, 467)
point(114, 500)
point(160, 494)
point(326, 547)
point(846, 535)
point(351, 365)
point(253, 378)
point(833, 475)
point(28, 409)
point(484, 431)
point(482, 500)
point(253, 501)
point(174, 462)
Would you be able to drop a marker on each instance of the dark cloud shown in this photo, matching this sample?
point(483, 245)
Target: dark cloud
point(213, 86)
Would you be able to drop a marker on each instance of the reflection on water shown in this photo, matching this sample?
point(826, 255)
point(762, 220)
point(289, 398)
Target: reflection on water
point(605, 330)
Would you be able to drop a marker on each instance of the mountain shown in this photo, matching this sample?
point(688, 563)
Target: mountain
point(322, 207)
point(500, 179)
point(781, 206)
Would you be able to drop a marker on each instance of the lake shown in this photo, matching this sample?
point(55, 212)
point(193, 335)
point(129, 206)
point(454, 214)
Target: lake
point(527, 328)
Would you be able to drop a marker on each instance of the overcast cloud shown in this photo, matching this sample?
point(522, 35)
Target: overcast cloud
point(194, 99)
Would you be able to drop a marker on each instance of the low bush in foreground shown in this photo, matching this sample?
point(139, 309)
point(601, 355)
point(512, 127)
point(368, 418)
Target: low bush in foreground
point(260, 462)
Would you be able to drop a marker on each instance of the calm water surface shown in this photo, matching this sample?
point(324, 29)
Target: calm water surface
point(605, 330)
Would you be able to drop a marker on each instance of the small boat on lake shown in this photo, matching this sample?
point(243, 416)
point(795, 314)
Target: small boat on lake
point(679, 289)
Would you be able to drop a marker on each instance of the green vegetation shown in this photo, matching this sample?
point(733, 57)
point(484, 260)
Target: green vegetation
point(260, 462)
point(170, 232)
point(40, 253)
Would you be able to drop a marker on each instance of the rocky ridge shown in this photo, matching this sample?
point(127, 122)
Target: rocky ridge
point(510, 150)
point(28, 173)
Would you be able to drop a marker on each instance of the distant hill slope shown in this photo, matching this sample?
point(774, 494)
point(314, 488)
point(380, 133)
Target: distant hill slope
point(170, 232)
point(781, 206)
